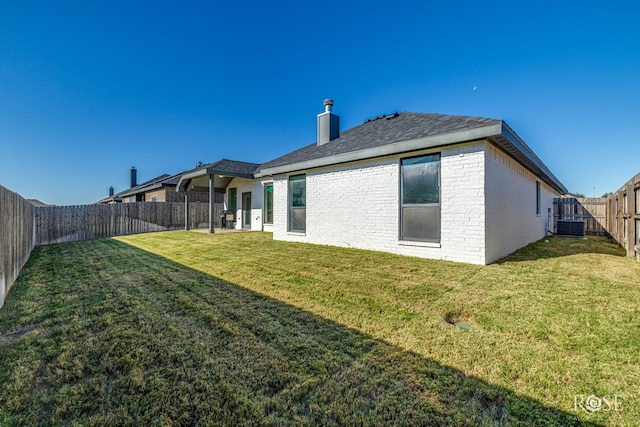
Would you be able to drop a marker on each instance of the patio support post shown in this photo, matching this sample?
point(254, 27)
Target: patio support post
point(211, 203)
point(186, 210)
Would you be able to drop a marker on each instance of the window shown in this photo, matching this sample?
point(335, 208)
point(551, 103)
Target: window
point(154, 199)
point(298, 203)
point(268, 203)
point(420, 198)
point(132, 199)
point(537, 197)
point(232, 203)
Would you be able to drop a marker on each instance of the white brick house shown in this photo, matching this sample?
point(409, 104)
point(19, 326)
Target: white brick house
point(456, 188)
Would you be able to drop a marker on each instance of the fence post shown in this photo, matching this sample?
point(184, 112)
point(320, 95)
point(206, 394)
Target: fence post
point(186, 210)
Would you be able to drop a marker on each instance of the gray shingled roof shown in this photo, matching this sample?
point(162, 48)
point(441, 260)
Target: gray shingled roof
point(223, 168)
point(406, 132)
point(380, 136)
point(382, 131)
point(233, 168)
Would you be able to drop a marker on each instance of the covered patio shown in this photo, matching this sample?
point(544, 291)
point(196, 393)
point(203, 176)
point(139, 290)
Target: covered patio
point(214, 178)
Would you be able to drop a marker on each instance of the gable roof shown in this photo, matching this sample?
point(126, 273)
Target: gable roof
point(405, 132)
point(233, 168)
point(197, 180)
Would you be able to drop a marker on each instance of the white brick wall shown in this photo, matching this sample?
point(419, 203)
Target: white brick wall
point(511, 205)
point(463, 202)
point(488, 206)
point(357, 205)
point(280, 208)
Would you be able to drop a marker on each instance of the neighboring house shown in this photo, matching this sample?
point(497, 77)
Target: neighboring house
point(38, 203)
point(159, 189)
point(456, 188)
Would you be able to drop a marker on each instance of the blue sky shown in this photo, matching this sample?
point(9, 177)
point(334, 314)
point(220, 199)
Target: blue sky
point(90, 88)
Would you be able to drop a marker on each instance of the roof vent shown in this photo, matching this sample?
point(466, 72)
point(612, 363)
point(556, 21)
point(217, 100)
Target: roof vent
point(384, 116)
point(328, 124)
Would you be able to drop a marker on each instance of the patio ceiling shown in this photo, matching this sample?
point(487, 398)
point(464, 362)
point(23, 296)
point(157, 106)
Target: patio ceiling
point(200, 183)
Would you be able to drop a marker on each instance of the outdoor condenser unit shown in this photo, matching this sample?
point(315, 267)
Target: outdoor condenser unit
point(570, 228)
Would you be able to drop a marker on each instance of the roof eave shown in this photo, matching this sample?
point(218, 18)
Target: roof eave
point(222, 172)
point(186, 179)
point(499, 133)
point(509, 141)
point(431, 141)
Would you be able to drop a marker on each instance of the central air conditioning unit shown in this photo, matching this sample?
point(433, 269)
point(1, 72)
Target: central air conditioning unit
point(570, 228)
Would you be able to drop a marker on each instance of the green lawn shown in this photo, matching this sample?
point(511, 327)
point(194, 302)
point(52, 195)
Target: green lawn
point(183, 328)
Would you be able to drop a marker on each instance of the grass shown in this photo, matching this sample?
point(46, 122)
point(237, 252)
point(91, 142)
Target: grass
point(184, 328)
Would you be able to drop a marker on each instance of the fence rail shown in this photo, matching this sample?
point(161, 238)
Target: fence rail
point(58, 224)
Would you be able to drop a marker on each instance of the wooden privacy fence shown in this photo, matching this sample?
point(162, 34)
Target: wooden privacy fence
point(616, 216)
point(17, 237)
point(592, 210)
point(58, 224)
point(23, 226)
point(623, 216)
